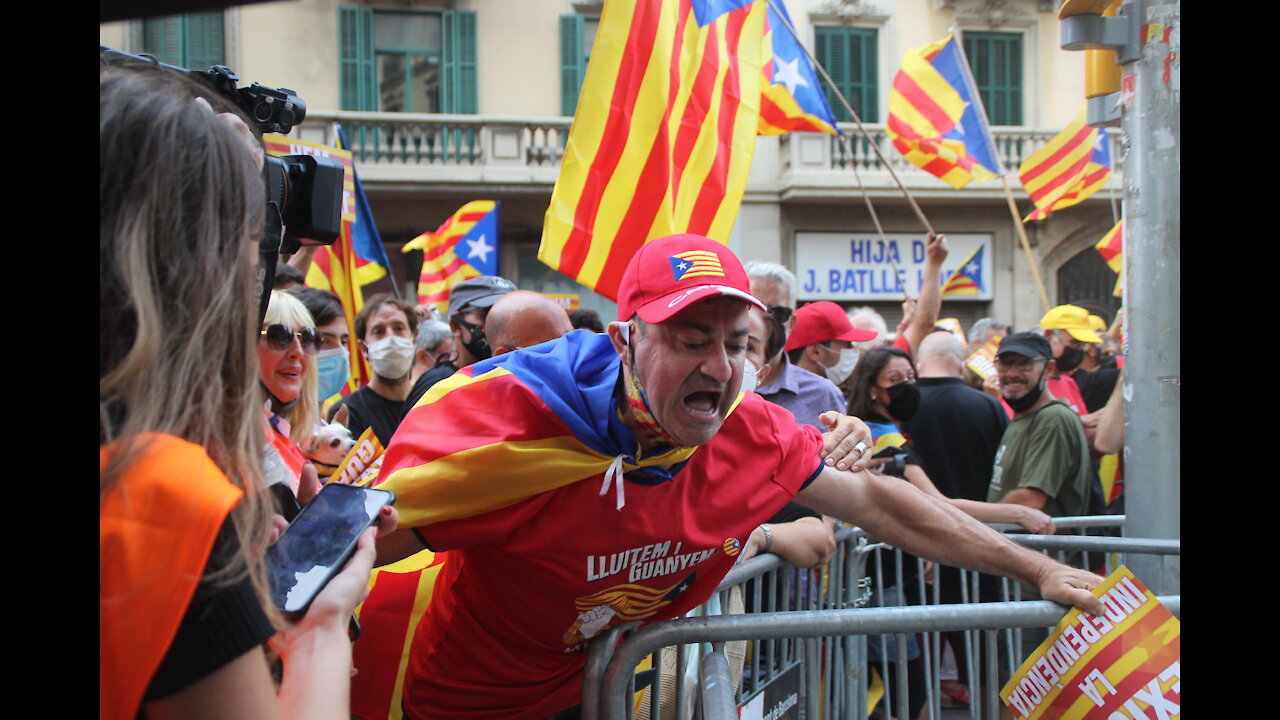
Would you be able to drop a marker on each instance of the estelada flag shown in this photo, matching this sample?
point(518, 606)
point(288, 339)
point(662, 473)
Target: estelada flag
point(463, 247)
point(662, 139)
point(967, 278)
point(791, 96)
point(1073, 165)
point(1111, 247)
point(936, 119)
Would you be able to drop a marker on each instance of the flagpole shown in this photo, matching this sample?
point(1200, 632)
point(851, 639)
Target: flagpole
point(1026, 244)
point(849, 108)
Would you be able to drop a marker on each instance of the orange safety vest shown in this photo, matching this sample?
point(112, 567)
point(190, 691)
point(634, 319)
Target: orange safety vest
point(156, 531)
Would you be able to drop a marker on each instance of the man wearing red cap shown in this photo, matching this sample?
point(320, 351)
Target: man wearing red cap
point(822, 341)
point(622, 475)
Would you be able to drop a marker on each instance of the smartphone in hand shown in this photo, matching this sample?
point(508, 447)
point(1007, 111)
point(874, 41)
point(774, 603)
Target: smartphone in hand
point(318, 543)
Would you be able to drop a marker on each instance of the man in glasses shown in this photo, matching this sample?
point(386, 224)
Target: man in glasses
point(805, 394)
point(1043, 459)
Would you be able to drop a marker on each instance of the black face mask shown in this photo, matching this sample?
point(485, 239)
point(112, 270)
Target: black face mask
point(478, 345)
point(904, 400)
point(1026, 401)
point(1070, 359)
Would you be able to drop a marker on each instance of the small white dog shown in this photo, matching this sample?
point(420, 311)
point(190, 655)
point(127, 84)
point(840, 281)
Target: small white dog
point(329, 443)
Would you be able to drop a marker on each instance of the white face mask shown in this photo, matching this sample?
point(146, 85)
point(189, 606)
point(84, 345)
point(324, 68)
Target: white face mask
point(843, 367)
point(750, 376)
point(391, 357)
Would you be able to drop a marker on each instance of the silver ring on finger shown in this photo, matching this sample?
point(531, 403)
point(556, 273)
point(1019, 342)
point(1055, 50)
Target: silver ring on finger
point(861, 447)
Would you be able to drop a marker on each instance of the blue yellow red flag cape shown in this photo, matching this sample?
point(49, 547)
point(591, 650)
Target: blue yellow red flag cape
point(511, 427)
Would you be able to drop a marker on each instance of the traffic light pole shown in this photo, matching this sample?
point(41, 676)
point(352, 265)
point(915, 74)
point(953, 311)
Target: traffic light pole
point(1145, 36)
point(1150, 98)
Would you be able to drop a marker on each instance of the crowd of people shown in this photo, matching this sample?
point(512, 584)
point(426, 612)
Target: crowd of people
point(570, 475)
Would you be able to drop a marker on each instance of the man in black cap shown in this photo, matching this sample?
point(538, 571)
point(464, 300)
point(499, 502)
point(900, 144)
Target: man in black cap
point(1043, 460)
point(469, 304)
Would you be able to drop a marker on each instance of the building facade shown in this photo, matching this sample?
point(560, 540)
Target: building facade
point(447, 101)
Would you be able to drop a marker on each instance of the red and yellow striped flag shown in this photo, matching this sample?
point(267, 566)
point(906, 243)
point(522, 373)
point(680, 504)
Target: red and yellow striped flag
point(463, 247)
point(1111, 247)
point(1068, 169)
point(663, 136)
point(936, 118)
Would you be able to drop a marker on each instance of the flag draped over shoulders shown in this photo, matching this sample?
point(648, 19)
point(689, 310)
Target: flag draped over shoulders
point(663, 136)
point(511, 427)
point(936, 118)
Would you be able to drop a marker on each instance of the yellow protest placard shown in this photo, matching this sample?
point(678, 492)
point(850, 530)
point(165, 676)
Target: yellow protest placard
point(982, 361)
point(1121, 664)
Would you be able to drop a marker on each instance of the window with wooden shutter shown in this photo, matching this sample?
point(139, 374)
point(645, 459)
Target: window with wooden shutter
point(194, 41)
point(850, 57)
point(996, 62)
point(577, 36)
point(408, 61)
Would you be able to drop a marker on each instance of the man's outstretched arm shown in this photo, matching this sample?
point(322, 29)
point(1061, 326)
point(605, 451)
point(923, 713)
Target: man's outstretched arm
point(897, 513)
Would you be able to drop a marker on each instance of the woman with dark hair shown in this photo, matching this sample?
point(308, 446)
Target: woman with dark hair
point(183, 611)
point(884, 395)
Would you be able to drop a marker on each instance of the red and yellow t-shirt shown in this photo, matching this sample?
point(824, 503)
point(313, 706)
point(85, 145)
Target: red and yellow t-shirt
point(524, 587)
point(501, 469)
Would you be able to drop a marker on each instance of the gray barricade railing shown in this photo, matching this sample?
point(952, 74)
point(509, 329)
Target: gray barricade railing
point(620, 669)
point(835, 670)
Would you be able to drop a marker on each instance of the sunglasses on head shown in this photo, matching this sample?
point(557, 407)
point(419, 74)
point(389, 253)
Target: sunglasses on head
point(280, 338)
point(781, 313)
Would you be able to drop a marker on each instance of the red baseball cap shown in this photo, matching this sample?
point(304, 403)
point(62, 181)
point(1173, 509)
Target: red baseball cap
point(821, 322)
point(673, 272)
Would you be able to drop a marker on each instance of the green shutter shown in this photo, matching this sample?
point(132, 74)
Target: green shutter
point(850, 57)
point(572, 69)
point(832, 52)
point(459, 91)
point(996, 62)
point(358, 74)
point(203, 38)
point(162, 37)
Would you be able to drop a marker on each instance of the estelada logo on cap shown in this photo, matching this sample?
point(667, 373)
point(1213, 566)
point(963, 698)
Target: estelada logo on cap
point(695, 263)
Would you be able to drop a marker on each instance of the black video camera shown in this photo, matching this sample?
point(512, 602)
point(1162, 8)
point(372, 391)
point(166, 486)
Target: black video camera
point(306, 190)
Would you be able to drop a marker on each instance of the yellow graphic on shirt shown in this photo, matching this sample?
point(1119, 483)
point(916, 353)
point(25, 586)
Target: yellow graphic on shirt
point(627, 602)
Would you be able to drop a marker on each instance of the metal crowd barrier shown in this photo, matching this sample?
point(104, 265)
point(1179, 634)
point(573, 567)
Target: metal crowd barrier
point(809, 630)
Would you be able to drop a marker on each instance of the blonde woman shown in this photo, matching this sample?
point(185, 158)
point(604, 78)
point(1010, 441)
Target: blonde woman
point(287, 346)
point(183, 613)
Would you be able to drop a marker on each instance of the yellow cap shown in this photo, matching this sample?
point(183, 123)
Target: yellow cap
point(1097, 323)
point(1073, 319)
